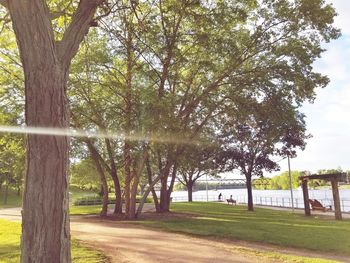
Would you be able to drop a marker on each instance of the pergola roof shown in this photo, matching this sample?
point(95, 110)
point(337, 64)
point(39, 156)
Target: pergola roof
point(338, 176)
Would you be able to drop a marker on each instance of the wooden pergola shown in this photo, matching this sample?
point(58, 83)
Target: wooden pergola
point(334, 178)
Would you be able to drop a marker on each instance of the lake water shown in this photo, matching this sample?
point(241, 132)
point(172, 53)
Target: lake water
point(269, 197)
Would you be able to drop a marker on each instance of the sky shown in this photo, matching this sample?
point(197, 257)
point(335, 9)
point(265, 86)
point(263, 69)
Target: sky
point(328, 118)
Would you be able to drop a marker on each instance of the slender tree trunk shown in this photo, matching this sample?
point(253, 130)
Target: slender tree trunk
point(151, 185)
point(127, 172)
point(6, 194)
point(137, 171)
point(103, 180)
point(189, 190)
point(250, 193)
point(144, 197)
point(128, 115)
point(133, 192)
point(118, 208)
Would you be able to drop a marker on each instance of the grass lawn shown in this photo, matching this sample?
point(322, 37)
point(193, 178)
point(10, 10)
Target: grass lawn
point(10, 239)
point(263, 225)
point(76, 192)
point(85, 210)
point(13, 200)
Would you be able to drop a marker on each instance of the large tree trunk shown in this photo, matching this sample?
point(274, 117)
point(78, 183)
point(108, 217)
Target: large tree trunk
point(45, 221)
point(250, 193)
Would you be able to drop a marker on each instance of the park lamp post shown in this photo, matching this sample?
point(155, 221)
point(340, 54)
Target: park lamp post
point(206, 186)
point(290, 182)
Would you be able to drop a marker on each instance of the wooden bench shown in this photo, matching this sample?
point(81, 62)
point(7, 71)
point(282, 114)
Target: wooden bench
point(231, 201)
point(316, 205)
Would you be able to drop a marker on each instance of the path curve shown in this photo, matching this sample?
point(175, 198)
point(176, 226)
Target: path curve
point(124, 243)
point(130, 243)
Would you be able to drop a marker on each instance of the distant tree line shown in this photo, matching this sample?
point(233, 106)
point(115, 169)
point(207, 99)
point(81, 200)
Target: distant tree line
point(282, 181)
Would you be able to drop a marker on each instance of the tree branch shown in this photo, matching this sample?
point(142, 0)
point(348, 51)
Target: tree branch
point(76, 31)
point(4, 3)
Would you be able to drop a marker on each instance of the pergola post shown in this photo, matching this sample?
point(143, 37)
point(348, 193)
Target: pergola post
point(306, 197)
point(336, 199)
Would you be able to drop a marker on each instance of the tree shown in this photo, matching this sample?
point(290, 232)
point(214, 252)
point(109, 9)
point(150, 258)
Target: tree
point(195, 162)
point(270, 128)
point(46, 62)
point(84, 174)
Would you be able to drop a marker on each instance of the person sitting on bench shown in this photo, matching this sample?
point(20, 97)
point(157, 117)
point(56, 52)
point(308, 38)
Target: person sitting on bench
point(231, 200)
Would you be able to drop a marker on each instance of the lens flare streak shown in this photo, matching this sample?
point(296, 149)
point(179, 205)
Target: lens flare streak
point(102, 134)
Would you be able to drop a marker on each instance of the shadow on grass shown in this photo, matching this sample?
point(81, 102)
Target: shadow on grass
point(262, 225)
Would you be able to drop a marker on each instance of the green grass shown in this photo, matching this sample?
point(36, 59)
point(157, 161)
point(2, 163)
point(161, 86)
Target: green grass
point(266, 256)
point(10, 233)
point(14, 200)
point(264, 225)
point(85, 210)
point(76, 192)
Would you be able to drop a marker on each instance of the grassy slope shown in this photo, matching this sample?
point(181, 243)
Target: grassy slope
point(9, 246)
point(263, 225)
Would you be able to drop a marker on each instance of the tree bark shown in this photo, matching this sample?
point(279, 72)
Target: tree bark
point(45, 221)
point(144, 197)
point(133, 192)
point(127, 173)
point(118, 208)
point(6, 194)
point(151, 185)
point(189, 190)
point(94, 156)
point(164, 202)
point(250, 192)
point(165, 192)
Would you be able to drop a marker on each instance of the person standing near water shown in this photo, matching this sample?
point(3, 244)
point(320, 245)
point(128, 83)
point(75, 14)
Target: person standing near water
point(220, 195)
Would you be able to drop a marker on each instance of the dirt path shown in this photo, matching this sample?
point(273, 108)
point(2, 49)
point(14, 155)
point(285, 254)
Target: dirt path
point(129, 243)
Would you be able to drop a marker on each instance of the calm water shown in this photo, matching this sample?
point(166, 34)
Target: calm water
point(268, 197)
